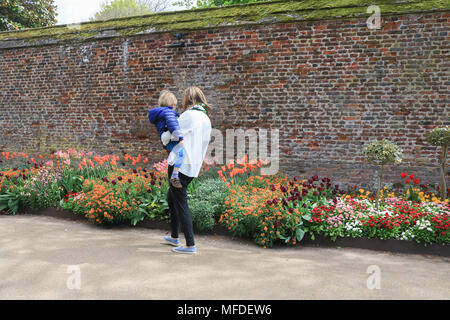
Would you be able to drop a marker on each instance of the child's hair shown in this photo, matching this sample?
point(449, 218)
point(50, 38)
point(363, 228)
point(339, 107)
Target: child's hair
point(167, 98)
point(194, 95)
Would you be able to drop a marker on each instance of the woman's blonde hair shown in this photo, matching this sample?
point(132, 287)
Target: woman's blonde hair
point(167, 98)
point(193, 96)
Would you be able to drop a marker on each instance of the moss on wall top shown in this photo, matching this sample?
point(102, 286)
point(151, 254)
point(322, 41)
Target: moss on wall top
point(255, 13)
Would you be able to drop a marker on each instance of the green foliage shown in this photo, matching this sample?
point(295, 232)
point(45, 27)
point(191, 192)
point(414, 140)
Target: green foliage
point(206, 201)
point(121, 8)
point(71, 181)
point(212, 3)
point(202, 215)
point(382, 152)
point(21, 14)
point(9, 202)
point(439, 137)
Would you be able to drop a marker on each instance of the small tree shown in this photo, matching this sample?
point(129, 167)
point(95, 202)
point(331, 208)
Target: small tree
point(121, 8)
point(381, 153)
point(440, 137)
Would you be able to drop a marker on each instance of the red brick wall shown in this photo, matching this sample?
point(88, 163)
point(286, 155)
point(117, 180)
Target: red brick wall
point(329, 86)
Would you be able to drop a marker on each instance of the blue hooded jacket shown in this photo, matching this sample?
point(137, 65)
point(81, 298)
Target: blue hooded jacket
point(165, 119)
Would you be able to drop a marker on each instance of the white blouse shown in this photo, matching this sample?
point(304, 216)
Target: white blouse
point(196, 129)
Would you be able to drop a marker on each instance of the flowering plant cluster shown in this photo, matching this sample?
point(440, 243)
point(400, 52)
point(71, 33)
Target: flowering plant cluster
point(398, 219)
point(123, 194)
point(271, 209)
point(268, 209)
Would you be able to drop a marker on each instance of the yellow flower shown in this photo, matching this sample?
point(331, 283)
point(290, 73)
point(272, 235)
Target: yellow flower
point(361, 190)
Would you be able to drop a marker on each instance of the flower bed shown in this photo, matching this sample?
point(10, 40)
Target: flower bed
point(269, 210)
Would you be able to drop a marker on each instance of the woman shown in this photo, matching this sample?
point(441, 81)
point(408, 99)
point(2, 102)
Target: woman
point(196, 128)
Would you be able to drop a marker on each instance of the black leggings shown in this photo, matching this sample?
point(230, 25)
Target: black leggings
point(179, 209)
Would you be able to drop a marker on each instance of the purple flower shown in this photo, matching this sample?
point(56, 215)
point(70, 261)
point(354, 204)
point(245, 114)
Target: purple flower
point(119, 178)
point(269, 202)
point(129, 180)
point(316, 193)
point(114, 182)
point(127, 192)
point(272, 187)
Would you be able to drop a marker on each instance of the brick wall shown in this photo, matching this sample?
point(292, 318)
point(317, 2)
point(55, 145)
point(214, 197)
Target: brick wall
point(329, 86)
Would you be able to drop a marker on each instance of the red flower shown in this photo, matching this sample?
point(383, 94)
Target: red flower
point(411, 176)
point(403, 175)
point(408, 181)
point(417, 181)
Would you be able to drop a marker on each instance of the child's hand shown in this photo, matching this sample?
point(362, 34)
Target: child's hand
point(180, 143)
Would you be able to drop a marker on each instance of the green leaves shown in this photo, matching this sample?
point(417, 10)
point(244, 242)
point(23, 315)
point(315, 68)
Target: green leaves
point(20, 14)
point(10, 202)
point(382, 152)
point(299, 234)
point(121, 8)
point(211, 3)
point(439, 136)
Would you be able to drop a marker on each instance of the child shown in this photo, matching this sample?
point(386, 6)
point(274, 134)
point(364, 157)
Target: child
point(165, 119)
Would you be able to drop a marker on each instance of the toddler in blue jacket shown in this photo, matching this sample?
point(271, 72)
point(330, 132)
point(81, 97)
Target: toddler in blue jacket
point(165, 119)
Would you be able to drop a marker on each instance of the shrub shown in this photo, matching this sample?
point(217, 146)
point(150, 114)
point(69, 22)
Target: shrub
point(206, 200)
